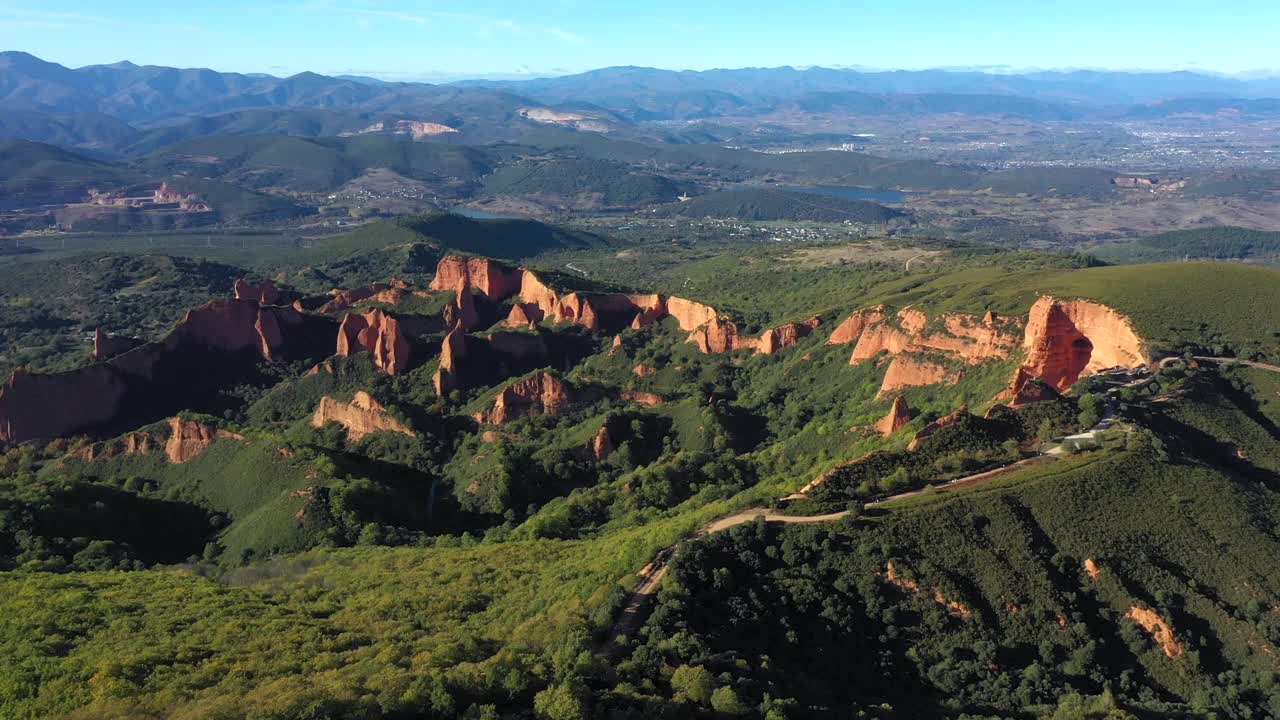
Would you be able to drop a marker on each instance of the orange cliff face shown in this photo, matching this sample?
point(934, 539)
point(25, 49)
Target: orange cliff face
point(719, 336)
point(911, 371)
point(908, 339)
point(234, 325)
point(187, 439)
point(852, 328)
point(377, 333)
point(541, 394)
point(495, 280)
point(391, 292)
point(899, 415)
point(361, 417)
point(264, 293)
point(452, 351)
point(34, 406)
point(1067, 339)
point(964, 337)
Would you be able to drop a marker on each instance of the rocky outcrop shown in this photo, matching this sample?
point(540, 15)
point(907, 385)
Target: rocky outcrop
point(391, 292)
point(964, 337)
point(690, 315)
point(452, 351)
point(264, 293)
point(187, 439)
point(134, 443)
point(361, 417)
point(519, 317)
point(1066, 339)
point(912, 371)
point(36, 406)
point(907, 585)
point(899, 415)
point(643, 371)
point(1091, 569)
point(541, 394)
point(106, 346)
point(937, 425)
point(646, 399)
point(494, 279)
point(602, 445)
point(853, 326)
point(1026, 389)
point(719, 336)
point(234, 325)
point(377, 333)
point(418, 129)
point(463, 308)
point(1161, 631)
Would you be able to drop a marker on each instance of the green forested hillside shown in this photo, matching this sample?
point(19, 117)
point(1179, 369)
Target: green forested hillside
point(313, 164)
point(458, 564)
point(1217, 243)
point(615, 183)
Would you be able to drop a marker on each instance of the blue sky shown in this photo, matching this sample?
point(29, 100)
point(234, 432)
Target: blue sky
point(441, 39)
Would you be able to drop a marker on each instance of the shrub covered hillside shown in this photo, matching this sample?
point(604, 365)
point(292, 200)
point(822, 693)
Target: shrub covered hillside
point(385, 475)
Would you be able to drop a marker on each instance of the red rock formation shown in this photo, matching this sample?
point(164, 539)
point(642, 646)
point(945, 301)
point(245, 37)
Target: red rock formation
point(325, 367)
point(264, 293)
point(452, 351)
point(690, 315)
point(361, 417)
point(784, 336)
point(106, 347)
point(1091, 569)
point(1160, 630)
point(912, 370)
point(616, 345)
point(899, 415)
point(912, 320)
point(541, 394)
point(908, 585)
point(643, 398)
point(134, 443)
point(1066, 339)
point(188, 440)
point(937, 425)
point(518, 317)
point(1026, 389)
point(643, 371)
point(852, 328)
point(964, 337)
point(495, 280)
point(391, 292)
point(377, 333)
point(234, 325)
point(465, 306)
point(602, 445)
point(718, 336)
point(45, 406)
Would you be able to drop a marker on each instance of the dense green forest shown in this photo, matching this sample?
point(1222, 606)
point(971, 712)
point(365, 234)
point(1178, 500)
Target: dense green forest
point(1217, 243)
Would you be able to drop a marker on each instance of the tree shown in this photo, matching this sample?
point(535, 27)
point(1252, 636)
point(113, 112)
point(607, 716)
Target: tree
point(559, 702)
point(693, 682)
point(725, 700)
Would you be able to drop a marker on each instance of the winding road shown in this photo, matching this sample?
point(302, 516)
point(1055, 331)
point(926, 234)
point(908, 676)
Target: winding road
point(652, 574)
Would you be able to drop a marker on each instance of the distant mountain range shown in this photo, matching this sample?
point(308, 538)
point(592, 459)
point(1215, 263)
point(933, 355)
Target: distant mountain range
point(128, 110)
